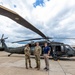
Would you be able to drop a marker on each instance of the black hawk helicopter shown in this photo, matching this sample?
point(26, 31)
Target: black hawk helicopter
point(57, 49)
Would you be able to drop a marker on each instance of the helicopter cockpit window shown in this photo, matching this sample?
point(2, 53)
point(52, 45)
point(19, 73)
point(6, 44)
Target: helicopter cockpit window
point(68, 47)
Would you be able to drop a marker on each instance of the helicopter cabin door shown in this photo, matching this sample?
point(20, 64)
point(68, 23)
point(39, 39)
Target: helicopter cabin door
point(59, 49)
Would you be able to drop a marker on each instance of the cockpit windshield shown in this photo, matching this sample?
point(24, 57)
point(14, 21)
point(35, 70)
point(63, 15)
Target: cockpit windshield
point(68, 47)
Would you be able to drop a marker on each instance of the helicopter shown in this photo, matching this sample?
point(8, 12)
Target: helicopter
point(57, 49)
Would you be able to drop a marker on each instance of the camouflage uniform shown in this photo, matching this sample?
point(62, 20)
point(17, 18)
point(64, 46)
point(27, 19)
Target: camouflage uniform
point(37, 53)
point(27, 57)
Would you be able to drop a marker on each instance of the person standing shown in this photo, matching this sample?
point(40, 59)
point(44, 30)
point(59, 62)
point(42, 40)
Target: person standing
point(37, 53)
point(46, 52)
point(27, 56)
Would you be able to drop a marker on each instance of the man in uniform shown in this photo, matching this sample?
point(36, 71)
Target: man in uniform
point(46, 52)
point(27, 56)
point(37, 53)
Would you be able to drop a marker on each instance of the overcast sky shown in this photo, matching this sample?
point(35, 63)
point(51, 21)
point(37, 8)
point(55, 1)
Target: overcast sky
point(55, 18)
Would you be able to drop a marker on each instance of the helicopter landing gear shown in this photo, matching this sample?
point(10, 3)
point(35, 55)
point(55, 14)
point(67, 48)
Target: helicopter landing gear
point(10, 54)
point(55, 57)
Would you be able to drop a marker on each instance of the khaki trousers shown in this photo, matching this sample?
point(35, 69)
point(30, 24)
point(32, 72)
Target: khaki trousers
point(46, 57)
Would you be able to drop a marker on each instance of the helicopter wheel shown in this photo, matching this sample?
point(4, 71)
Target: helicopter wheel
point(9, 54)
point(55, 57)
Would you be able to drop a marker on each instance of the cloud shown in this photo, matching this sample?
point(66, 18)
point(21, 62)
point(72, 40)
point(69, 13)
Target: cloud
point(55, 19)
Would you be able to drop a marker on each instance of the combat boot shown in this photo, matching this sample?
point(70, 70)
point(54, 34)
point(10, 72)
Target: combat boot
point(26, 67)
point(30, 67)
point(36, 67)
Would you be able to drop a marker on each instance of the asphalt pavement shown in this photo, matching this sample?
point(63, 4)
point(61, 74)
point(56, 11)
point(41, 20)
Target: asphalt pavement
point(15, 65)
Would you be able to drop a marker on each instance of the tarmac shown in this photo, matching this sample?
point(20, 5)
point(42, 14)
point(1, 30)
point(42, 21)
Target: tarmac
point(15, 65)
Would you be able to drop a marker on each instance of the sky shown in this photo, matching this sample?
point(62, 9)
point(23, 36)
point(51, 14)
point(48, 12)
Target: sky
point(55, 18)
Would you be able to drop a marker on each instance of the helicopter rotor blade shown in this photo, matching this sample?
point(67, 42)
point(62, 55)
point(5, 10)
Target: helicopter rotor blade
point(17, 18)
point(6, 38)
point(60, 38)
point(2, 36)
point(41, 38)
point(28, 40)
point(33, 39)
